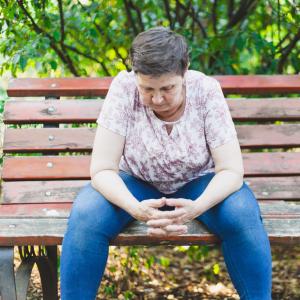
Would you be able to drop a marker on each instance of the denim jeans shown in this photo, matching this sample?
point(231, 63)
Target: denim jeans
point(94, 221)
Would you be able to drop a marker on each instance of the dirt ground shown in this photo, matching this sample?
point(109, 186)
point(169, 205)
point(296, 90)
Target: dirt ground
point(174, 275)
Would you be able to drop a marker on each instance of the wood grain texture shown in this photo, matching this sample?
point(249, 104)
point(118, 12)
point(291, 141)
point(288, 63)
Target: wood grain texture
point(87, 111)
point(241, 84)
point(265, 109)
point(43, 231)
point(64, 191)
point(81, 139)
point(77, 167)
point(269, 209)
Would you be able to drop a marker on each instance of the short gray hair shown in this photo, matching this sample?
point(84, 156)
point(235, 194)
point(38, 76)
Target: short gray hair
point(158, 51)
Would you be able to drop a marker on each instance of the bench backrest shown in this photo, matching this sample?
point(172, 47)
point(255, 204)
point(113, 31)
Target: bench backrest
point(60, 145)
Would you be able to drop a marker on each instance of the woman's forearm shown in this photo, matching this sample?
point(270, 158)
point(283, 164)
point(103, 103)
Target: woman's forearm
point(221, 185)
point(113, 188)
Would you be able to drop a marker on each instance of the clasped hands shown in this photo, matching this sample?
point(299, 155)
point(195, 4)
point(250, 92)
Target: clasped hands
point(167, 222)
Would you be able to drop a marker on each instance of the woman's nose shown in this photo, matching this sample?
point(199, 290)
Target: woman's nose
point(157, 98)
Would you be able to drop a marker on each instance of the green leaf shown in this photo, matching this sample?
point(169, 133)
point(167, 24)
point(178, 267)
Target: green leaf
point(150, 261)
point(128, 295)
point(16, 58)
point(111, 54)
point(94, 32)
point(22, 62)
point(56, 35)
point(165, 262)
point(123, 52)
point(53, 65)
point(216, 269)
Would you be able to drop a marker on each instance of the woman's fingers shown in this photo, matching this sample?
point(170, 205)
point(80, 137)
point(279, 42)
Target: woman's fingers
point(179, 202)
point(168, 230)
point(155, 203)
point(169, 214)
point(176, 228)
point(159, 222)
point(156, 231)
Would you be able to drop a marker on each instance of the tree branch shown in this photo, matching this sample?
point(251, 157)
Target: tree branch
point(38, 30)
point(287, 50)
point(230, 9)
point(186, 8)
point(198, 22)
point(279, 45)
point(246, 6)
point(89, 57)
point(104, 34)
point(192, 13)
point(214, 15)
point(62, 30)
point(62, 22)
point(278, 23)
point(167, 10)
point(130, 19)
point(139, 14)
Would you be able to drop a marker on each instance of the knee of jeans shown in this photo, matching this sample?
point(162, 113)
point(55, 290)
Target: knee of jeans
point(87, 210)
point(239, 211)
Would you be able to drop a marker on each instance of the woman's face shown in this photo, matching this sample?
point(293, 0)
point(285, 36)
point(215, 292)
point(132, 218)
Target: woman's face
point(162, 94)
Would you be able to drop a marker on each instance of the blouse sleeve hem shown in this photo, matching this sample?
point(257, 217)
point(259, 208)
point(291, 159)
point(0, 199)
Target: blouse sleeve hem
point(114, 130)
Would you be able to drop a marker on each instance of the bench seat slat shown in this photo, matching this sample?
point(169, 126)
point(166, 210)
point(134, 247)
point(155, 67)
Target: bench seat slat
point(42, 231)
point(81, 139)
point(87, 111)
point(272, 109)
point(35, 210)
point(87, 87)
point(58, 191)
point(51, 111)
point(241, 84)
point(77, 167)
point(269, 209)
point(55, 191)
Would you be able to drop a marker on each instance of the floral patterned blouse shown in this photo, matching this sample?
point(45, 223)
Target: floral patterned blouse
point(168, 161)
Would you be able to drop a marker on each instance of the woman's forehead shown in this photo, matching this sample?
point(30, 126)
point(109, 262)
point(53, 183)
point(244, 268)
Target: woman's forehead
point(158, 81)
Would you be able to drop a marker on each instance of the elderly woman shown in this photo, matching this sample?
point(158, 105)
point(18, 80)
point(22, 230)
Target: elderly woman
point(165, 140)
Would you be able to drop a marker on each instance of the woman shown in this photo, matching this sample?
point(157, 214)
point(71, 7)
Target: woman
point(165, 139)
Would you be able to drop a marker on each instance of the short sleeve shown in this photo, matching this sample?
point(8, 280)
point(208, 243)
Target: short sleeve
point(218, 124)
point(114, 113)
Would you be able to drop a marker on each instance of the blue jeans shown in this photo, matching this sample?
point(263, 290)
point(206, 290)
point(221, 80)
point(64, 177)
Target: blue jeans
point(236, 220)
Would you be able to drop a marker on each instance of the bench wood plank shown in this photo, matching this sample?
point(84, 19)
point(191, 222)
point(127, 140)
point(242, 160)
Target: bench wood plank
point(264, 188)
point(77, 167)
point(269, 209)
point(87, 111)
point(50, 231)
point(81, 139)
point(241, 84)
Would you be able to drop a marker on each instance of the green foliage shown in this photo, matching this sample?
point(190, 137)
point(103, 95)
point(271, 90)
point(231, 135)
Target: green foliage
point(87, 38)
point(109, 290)
point(3, 98)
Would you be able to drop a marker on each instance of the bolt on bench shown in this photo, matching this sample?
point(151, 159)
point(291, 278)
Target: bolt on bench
point(38, 190)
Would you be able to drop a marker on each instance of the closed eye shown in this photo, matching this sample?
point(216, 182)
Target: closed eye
point(168, 88)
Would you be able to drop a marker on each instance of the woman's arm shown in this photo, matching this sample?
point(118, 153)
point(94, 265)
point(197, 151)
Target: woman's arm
point(229, 175)
point(104, 170)
point(107, 151)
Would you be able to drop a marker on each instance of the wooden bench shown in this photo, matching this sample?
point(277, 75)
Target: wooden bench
point(37, 191)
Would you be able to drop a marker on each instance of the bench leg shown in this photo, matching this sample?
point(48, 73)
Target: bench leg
point(23, 275)
point(48, 271)
point(46, 260)
point(7, 274)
